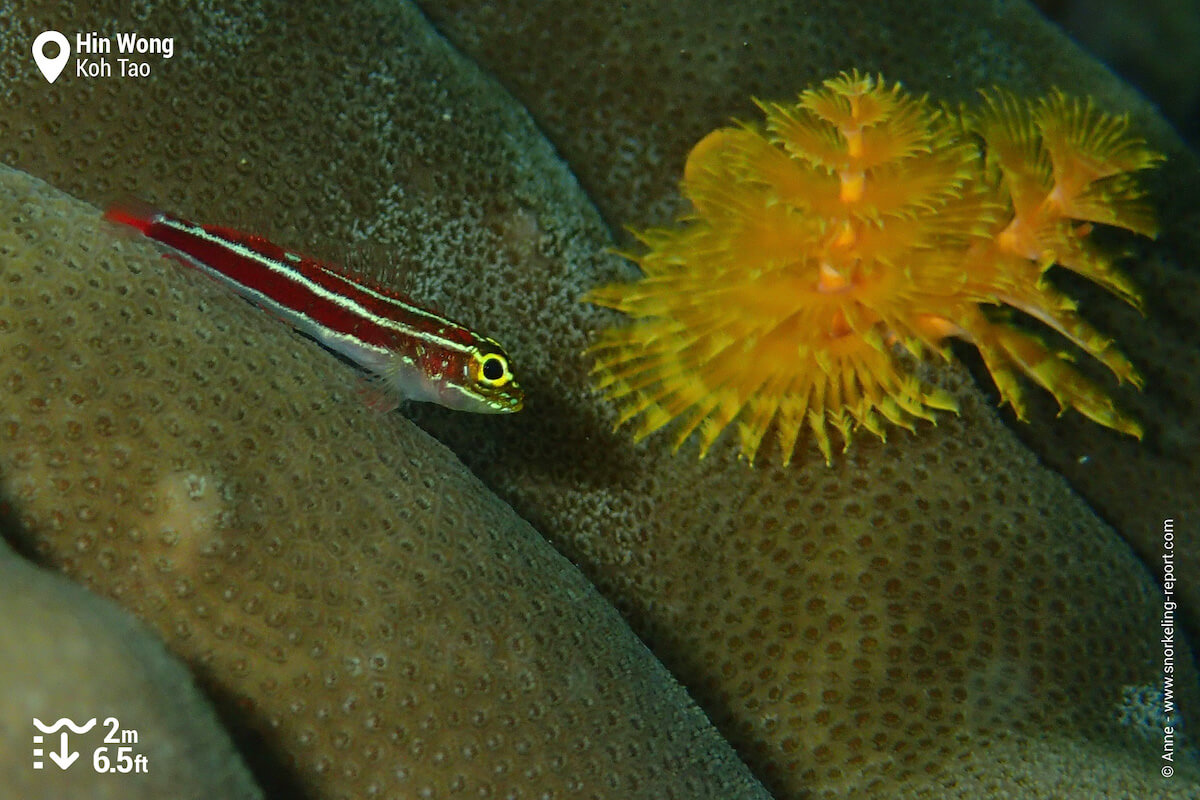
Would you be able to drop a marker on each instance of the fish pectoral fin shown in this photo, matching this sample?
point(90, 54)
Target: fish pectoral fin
point(376, 395)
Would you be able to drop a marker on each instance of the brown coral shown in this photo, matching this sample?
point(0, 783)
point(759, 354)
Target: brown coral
point(67, 653)
point(368, 618)
point(624, 90)
point(964, 497)
point(359, 604)
point(912, 577)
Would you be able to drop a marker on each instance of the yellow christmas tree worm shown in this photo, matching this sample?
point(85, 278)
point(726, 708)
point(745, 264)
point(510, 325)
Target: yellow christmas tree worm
point(855, 225)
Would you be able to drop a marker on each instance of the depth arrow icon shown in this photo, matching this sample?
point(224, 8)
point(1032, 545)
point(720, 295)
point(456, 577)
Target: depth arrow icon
point(64, 758)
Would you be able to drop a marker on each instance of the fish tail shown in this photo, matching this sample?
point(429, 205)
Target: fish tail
point(135, 214)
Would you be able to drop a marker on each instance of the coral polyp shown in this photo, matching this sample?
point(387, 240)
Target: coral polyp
point(854, 231)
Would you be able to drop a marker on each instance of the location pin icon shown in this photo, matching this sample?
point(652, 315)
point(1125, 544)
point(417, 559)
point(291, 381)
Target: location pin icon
point(51, 67)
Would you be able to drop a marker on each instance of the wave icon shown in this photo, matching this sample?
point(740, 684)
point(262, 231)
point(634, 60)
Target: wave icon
point(65, 723)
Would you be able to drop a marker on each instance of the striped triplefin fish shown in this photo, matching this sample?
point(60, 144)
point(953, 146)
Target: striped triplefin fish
point(415, 353)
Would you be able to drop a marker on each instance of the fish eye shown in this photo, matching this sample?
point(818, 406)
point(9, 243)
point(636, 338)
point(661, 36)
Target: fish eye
point(493, 368)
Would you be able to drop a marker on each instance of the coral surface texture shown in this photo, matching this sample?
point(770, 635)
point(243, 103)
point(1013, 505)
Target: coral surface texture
point(431, 604)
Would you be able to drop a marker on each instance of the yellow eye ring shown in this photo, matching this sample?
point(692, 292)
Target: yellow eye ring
point(491, 369)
